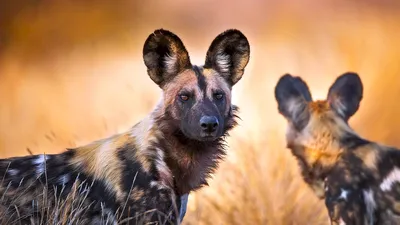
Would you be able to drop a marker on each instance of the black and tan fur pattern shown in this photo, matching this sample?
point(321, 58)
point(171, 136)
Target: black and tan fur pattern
point(138, 176)
point(359, 179)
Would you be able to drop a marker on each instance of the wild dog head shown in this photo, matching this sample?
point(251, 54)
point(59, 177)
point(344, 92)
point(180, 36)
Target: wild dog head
point(317, 129)
point(197, 98)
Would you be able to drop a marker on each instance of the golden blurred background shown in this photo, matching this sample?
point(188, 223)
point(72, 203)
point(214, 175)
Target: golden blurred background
point(72, 72)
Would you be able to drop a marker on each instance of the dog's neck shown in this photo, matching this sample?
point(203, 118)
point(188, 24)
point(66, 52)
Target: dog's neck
point(183, 163)
point(191, 162)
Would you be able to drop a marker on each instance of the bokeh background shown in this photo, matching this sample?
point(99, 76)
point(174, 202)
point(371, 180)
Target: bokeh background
point(72, 72)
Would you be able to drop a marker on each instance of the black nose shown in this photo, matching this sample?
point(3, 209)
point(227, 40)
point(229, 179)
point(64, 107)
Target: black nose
point(209, 123)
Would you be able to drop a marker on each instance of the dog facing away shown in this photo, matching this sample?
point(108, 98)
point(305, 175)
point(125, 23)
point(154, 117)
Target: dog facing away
point(359, 179)
point(141, 175)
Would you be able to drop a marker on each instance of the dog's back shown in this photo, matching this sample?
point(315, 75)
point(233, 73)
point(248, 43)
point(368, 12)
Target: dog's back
point(45, 189)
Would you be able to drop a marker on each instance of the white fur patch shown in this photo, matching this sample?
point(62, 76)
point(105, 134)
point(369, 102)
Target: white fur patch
point(12, 172)
point(223, 62)
point(370, 204)
point(170, 62)
point(326, 186)
point(102, 164)
point(391, 178)
point(294, 104)
point(340, 107)
point(140, 132)
point(40, 159)
point(341, 222)
point(103, 154)
point(39, 169)
point(157, 185)
point(64, 179)
point(343, 194)
point(40, 163)
point(295, 107)
point(161, 165)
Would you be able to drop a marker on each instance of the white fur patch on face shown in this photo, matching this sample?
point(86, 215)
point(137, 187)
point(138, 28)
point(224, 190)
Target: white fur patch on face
point(391, 178)
point(343, 194)
point(223, 62)
point(341, 222)
point(12, 172)
point(370, 204)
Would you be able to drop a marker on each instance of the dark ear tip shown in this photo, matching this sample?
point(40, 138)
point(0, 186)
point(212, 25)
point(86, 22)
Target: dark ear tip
point(351, 76)
point(287, 81)
point(302, 87)
point(233, 32)
point(160, 37)
point(299, 80)
point(162, 31)
point(234, 43)
point(235, 35)
point(287, 75)
point(350, 73)
point(283, 81)
point(285, 78)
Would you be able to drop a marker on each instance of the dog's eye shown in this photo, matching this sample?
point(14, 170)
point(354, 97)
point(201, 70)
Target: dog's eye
point(184, 97)
point(218, 96)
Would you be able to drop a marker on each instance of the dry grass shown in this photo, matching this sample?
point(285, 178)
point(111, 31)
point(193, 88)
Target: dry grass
point(76, 96)
point(255, 191)
point(64, 211)
point(63, 206)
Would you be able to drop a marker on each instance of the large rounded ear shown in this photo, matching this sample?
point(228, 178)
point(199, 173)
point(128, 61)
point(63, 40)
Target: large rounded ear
point(293, 95)
point(229, 54)
point(165, 56)
point(345, 94)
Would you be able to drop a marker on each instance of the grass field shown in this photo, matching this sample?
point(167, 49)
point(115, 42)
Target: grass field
point(79, 76)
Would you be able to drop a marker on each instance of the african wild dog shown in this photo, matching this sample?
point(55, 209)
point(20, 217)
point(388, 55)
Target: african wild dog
point(137, 176)
point(359, 179)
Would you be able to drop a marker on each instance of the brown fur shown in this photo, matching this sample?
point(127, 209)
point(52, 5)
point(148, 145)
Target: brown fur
point(359, 179)
point(140, 175)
